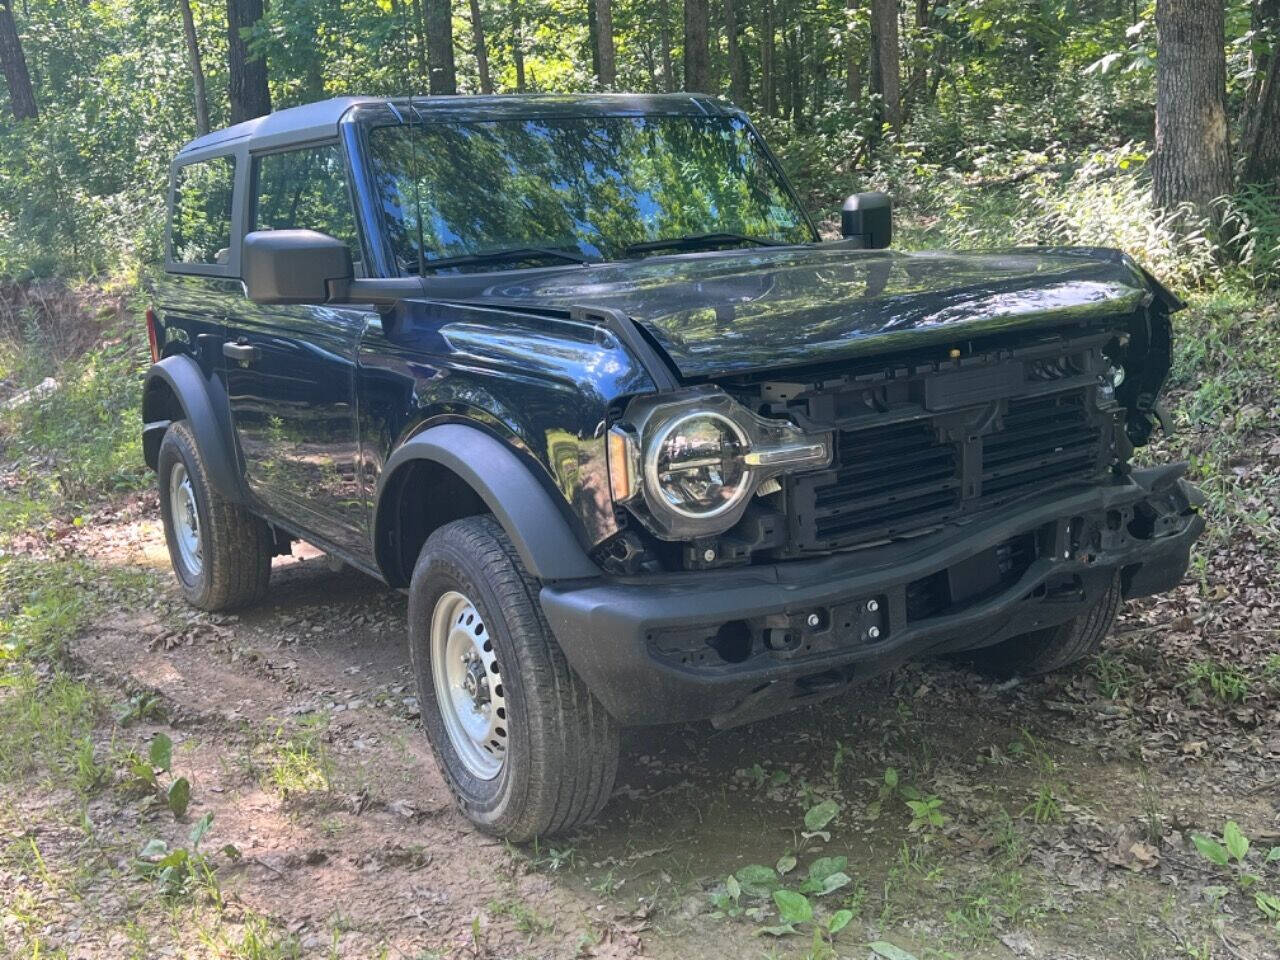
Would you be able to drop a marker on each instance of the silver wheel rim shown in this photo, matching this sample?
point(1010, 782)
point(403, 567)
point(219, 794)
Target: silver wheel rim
point(468, 685)
point(186, 519)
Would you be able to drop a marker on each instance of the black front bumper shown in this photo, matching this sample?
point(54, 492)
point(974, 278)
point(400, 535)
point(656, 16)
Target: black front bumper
point(741, 644)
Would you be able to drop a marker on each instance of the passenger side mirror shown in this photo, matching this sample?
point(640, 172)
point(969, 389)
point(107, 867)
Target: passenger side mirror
point(868, 217)
point(303, 266)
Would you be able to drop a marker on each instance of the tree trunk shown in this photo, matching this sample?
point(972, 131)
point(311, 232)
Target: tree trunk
point(697, 53)
point(482, 51)
point(664, 40)
point(738, 92)
point(517, 44)
point(247, 78)
point(22, 98)
point(420, 38)
point(443, 78)
point(852, 56)
point(1260, 142)
point(1192, 159)
point(197, 69)
point(768, 31)
point(607, 70)
point(593, 37)
point(886, 76)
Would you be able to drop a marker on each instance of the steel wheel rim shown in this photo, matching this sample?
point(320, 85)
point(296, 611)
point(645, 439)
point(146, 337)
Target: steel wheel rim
point(186, 519)
point(468, 685)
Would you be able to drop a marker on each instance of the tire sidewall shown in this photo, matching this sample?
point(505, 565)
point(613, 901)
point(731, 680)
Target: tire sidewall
point(493, 805)
point(174, 450)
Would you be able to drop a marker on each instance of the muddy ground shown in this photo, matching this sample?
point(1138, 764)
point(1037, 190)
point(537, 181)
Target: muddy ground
point(1063, 809)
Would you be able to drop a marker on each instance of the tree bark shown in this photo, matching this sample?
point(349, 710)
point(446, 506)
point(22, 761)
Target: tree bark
point(420, 39)
point(22, 97)
point(607, 70)
point(1260, 142)
point(886, 74)
point(664, 41)
point(738, 91)
point(198, 94)
point(247, 77)
point(443, 76)
point(1192, 160)
point(517, 44)
point(697, 53)
point(768, 31)
point(482, 50)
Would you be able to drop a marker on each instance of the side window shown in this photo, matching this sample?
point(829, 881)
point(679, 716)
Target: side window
point(305, 190)
point(201, 229)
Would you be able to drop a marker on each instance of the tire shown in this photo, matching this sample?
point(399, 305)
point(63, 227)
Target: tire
point(231, 564)
point(1044, 651)
point(533, 753)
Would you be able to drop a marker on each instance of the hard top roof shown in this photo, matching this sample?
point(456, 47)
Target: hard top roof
point(318, 121)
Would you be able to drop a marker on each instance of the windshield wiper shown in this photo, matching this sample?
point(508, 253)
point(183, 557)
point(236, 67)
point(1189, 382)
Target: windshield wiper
point(514, 255)
point(699, 240)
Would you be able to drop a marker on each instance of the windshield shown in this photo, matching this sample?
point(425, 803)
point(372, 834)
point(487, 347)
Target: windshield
point(591, 187)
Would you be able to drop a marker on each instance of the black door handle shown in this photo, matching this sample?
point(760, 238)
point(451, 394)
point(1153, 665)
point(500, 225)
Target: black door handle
point(244, 352)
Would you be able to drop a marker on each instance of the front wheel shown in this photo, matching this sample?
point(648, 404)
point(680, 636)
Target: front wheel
point(526, 749)
point(1043, 651)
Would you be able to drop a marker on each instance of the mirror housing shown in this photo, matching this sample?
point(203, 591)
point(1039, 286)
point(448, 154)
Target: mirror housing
point(303, 266)
point(293, 266)
point(868, 217)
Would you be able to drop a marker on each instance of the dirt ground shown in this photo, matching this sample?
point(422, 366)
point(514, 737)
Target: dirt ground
point(1064, 809)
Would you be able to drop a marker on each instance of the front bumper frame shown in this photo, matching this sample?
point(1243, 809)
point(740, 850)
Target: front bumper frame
point(741, 644)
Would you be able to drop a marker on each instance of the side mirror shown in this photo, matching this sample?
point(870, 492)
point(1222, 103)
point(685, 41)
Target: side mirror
point(868, 217)
point(303, 266)
point(293, 266)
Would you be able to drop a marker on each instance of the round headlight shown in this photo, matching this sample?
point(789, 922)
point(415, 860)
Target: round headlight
point(695, 465)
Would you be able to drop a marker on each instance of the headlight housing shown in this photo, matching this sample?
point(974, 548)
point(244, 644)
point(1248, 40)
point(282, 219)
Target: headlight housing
point(689, 465)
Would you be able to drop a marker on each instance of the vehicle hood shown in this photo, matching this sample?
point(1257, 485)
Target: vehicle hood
point(764, 308)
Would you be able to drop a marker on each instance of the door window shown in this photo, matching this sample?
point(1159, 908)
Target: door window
point(305, 190)
point(201, 228)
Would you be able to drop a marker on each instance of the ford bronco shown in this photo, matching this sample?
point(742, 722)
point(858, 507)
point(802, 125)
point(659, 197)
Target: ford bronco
point(579, 375)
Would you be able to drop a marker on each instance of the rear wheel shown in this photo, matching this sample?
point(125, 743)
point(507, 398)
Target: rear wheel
point(524, 746)
point(1044, 651)
point(221, 553)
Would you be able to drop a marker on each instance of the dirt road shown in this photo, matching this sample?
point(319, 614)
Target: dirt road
point(1030, 820)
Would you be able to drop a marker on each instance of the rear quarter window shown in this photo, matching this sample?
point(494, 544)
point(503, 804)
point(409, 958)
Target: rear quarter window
point(201, 229)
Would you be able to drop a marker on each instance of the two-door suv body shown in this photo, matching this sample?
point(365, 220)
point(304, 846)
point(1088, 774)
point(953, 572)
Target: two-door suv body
point(579, 375)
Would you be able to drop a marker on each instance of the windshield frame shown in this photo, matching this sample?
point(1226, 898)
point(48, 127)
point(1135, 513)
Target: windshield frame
point(363, 119)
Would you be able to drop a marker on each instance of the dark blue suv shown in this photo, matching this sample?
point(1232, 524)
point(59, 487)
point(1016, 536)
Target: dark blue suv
point(579, 374)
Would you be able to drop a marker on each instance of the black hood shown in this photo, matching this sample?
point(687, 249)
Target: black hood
point(763, 308)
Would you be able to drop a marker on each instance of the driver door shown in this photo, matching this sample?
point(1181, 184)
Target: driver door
point(291, 370)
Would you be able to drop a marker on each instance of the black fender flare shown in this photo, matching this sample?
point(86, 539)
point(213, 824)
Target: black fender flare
point(209, 418)
point(526, 510)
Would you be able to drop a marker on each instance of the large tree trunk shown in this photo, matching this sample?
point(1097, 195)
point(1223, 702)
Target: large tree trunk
point(22, 98)
point(197, 69)
point(664, 41)
point(768, 31)
point(886, 68)
point(443, 77)
point(1261, 139)
point(482, 51)
point(738, 91)
point(607, 70)
point(517, 44)
point(697, 53)
point(1192, 160)
point(247, 79)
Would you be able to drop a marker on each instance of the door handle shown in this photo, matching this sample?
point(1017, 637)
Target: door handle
point(244, 352)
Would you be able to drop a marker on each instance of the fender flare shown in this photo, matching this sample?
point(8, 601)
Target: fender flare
point(526, 510)
point(208, 417)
